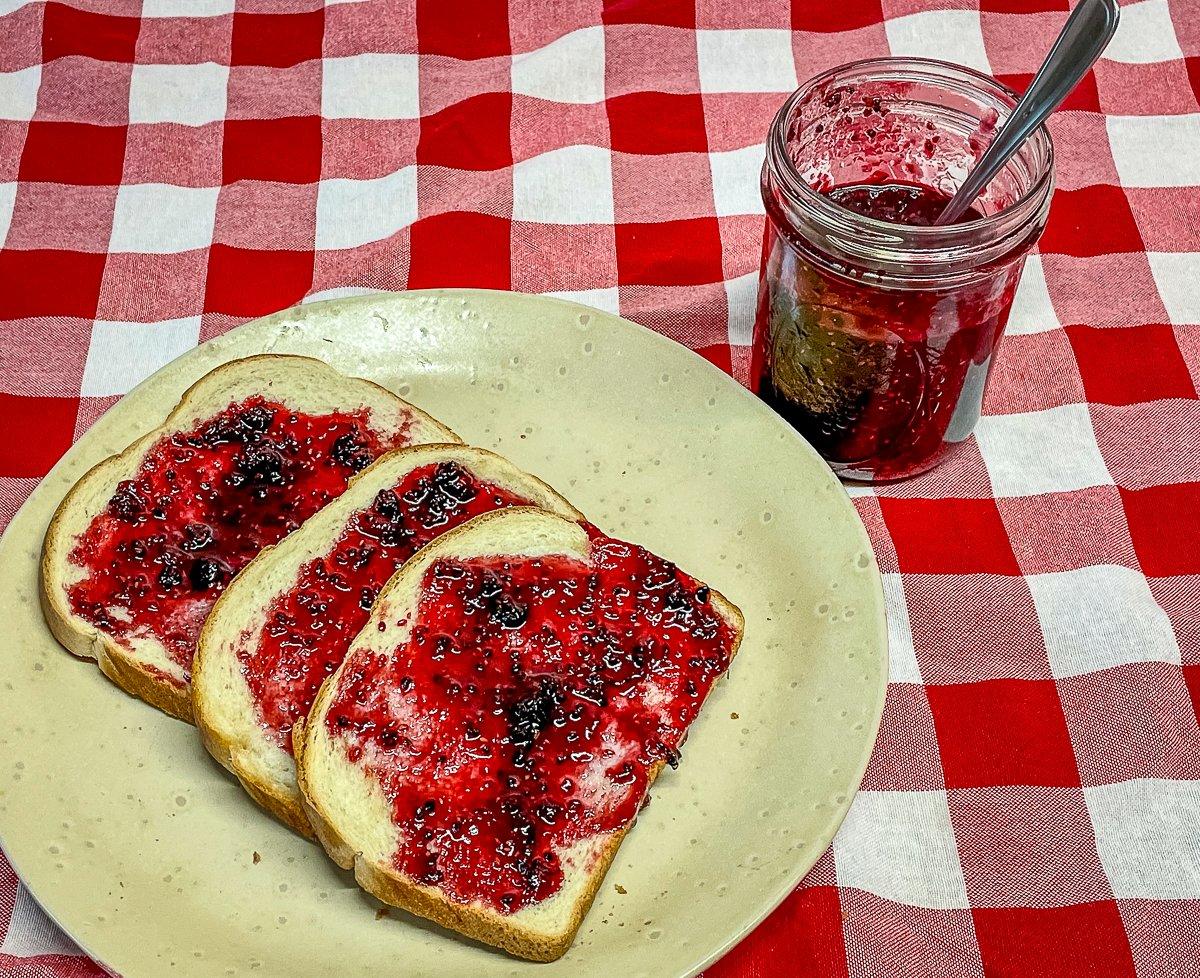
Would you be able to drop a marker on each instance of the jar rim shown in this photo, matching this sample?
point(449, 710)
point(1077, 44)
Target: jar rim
point(928, 239)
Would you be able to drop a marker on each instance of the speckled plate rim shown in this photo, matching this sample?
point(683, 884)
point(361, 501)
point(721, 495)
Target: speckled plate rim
point(241, 342)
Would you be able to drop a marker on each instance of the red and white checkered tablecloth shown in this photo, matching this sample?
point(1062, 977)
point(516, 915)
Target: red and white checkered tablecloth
point(171, 168)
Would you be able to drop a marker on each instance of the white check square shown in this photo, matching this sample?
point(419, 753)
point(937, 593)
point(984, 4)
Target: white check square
point(735, 176)
point(951, 35)
point(751, 60)
point(1175, 275)
point(31, 933)
point(900, 845)
point(1098, 617)
point(1148, 837)
point(568, 69)
point(371, 86)
point(8, 200)
point(1145, 34)
point(19, 92)
point(186, 8)
point(1032, 309)
point(572, 185)
point(741, 295)
point(1156, 150)
point(902, 654)
point(122, 355)
point(1039, 452)
point(356, 212)
point(191, 95)
point(159, 218)
point(607, 299)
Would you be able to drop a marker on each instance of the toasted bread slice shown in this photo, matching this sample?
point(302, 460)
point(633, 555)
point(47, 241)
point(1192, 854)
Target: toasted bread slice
point(262, 655)
point(142, 545)
point(487, 742)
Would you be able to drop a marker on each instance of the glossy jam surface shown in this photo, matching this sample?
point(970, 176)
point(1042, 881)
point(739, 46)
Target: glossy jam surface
point(310, 626)
point(201, 505)
point(897, 203)
point(527, 709)
point(882, 381)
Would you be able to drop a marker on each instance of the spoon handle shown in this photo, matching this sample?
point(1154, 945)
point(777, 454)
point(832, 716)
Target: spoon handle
point(1084, 36)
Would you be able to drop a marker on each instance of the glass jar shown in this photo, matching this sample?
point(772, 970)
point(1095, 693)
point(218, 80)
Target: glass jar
point(874, 338)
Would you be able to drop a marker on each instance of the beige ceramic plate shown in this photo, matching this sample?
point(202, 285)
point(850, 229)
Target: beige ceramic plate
point(143, 849)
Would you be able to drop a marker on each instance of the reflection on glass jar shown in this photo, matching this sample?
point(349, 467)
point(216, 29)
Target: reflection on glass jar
point(874, 338)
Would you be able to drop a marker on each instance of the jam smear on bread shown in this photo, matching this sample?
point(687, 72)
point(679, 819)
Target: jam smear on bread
point(527, 710)
point(201, 505)
point(309, 626)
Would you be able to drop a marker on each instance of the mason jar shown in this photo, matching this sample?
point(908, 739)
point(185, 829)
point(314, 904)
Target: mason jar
point(875, 330)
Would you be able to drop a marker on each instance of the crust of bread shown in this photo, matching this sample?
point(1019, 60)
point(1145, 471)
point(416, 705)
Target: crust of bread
point(474, 920)
point(84, 640)
point(230, 739)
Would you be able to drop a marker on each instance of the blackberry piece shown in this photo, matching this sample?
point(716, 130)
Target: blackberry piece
point(126, 505)
point(205, 574)
point(351, 451)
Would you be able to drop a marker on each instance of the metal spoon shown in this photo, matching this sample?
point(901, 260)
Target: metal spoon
point(1084, 36)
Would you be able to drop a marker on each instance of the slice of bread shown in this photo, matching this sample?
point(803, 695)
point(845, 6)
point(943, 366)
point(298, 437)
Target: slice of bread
point(261, 655)
point(439, 807)
point(135, 603)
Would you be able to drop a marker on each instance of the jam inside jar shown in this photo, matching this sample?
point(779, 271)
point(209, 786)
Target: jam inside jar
point(875, 330)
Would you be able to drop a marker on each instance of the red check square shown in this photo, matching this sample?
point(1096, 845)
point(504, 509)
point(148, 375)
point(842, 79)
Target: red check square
point(1094, 220)
point(1125, 366)
point(1164, 527)
point(277, 40)
point(668, 13)
point(73, 152)
point(246, 282)
point(1002, 732)
point(469, 135)
point(49, 283)
point(1191, 676)
point(718, 355)
point(38, 430)
point(460, 249)
point(283, 150)
point(670, 252)
point(1083, 98)
point(66, 31)
point(805, 930)
point(464, 29)
point(831, 18)
point(655, 122)
point(1080, 941)
point(949, 536)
